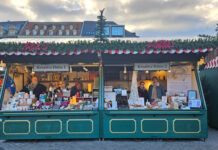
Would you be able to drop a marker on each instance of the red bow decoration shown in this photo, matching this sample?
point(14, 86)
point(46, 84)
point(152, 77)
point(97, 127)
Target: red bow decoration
point(31, 47)
point(161, 44)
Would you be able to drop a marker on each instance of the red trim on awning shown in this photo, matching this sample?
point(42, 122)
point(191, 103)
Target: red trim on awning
point(125, 51)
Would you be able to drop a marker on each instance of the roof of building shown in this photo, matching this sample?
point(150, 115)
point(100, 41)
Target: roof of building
point(17, 26)
point(57, 29)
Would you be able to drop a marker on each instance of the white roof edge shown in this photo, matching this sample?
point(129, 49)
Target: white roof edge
point(67, 39)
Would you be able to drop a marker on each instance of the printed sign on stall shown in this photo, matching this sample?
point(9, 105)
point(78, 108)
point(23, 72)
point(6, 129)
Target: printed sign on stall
point(151, 66)
point(51, 67)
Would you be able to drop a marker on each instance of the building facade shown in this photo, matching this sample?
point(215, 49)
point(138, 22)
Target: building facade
point(11, 28)
point(26, 29)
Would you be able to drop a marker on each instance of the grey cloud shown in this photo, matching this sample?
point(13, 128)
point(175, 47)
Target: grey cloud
point(176, 16)
point(155, 6)
point(49, 9)
point(7, 12)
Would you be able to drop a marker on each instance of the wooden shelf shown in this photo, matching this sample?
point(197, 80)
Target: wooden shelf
point(87, 97)
point(70, 81)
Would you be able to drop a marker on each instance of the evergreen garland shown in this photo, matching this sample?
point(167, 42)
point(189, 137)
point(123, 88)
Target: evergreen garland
point(109, 45)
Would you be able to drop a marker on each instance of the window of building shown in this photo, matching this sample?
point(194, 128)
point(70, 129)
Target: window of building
point(117, 31)
point(12, 30)
point(27, 32)
point(62, 27)
point(36, 27)
point(50, 32)
point(67, 32)
point(34, 32)
point(71, 27)
point(53, 27)
point(45, 27)
point(41, 32)
point(74, 32)
point(60, 32)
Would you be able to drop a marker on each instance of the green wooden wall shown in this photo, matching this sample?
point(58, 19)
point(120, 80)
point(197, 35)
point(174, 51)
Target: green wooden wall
point(209, 79)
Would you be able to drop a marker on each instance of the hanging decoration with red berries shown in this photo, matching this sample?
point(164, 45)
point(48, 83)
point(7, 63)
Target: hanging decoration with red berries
point(113, 47)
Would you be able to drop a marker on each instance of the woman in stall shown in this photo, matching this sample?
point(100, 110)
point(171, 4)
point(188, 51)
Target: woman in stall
point(156, 91)
point(142, 91)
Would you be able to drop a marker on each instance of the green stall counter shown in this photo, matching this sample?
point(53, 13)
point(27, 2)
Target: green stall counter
point(49, 125)
point(155, 124)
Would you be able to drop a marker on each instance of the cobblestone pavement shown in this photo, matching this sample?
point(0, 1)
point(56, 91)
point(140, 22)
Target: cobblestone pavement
point(147, 144)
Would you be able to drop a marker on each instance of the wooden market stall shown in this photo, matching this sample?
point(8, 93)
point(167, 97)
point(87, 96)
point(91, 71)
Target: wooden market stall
point(117, 111)
point(169, 119)
point(60, 115)
point(173, 115)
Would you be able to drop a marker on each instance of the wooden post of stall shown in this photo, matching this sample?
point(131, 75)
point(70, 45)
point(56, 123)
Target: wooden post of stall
point(4, 84)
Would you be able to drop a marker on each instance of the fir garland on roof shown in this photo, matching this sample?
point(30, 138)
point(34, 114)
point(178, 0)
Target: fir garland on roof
point(109, 45)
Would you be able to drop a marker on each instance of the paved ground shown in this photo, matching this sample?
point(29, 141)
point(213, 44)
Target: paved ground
point(210, 144)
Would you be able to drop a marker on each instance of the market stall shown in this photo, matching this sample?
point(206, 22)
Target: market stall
point(177, 111)
point(110, 104)
point(57, 95)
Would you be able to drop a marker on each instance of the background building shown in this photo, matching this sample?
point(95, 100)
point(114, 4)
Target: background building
point(26, 29)
point(111, 30)
point(11, 28)
point(45, 29)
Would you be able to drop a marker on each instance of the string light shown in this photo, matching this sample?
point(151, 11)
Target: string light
point(33, 72)
point(125, 70)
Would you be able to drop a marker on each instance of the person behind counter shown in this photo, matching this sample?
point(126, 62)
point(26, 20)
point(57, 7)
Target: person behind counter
point(76, 88)
point(63, 87)
point(156, 91)
point(27, 87)
point(38, 88)
point(142, 91)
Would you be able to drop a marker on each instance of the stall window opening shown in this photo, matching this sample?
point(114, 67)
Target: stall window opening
point(151, 89)
point(75, 89)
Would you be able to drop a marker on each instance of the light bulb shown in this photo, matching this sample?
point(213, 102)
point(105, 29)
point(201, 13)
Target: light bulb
point(125, 70)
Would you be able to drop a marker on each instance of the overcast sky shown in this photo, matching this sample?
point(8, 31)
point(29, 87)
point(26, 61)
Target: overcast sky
point(148, 18)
